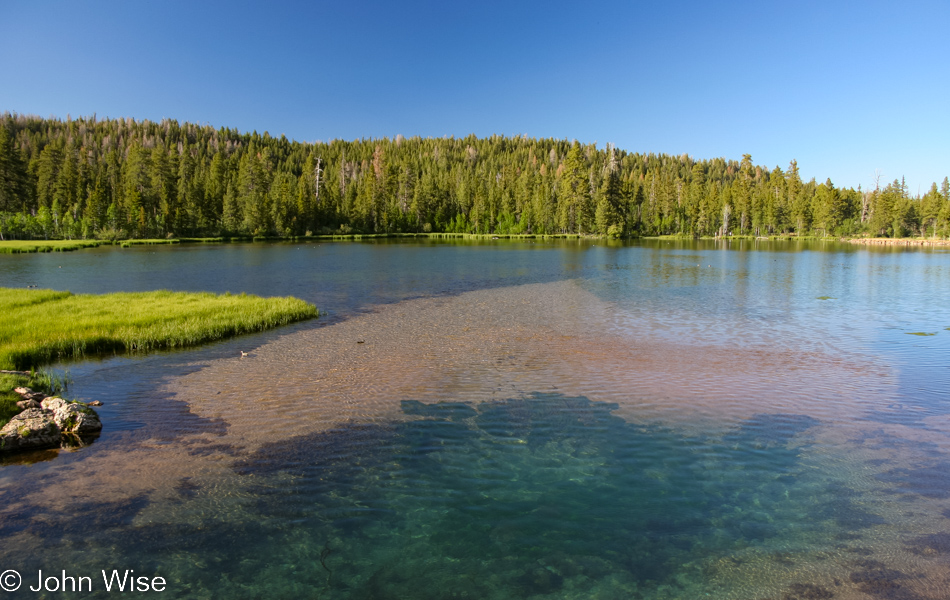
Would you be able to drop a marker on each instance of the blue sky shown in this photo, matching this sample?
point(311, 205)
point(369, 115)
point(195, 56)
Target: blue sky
point(845, 88)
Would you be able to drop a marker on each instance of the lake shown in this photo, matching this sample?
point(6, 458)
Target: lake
point(511, 419)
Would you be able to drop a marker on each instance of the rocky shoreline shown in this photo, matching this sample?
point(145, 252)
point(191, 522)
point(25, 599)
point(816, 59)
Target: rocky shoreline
point(49, 422)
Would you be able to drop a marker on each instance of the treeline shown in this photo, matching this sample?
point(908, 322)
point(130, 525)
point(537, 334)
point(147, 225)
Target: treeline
point(119, 178)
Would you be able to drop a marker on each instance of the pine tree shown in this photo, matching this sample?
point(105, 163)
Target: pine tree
point(827, 208)
point(47, 175)
point(607, 216)
point(575, 214)
point(13, 174)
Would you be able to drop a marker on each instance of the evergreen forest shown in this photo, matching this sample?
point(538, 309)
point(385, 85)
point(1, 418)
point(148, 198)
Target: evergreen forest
point(92, 178)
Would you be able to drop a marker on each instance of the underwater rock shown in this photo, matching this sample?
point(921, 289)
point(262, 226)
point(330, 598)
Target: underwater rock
point(47, 422)
point(31, 429)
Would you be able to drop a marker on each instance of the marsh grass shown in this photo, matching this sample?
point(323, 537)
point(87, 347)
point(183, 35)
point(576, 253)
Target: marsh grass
point(43, 326)
point(149, 242)
point(31, 246)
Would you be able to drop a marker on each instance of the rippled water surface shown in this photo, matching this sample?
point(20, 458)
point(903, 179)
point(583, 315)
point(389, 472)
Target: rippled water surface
point(512, 420)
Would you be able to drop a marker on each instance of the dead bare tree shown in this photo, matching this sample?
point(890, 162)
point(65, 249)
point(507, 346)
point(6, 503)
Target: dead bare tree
point(317, 171)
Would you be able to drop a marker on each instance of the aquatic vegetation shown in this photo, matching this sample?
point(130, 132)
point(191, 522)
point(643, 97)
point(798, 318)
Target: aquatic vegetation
point(42, 326)
point(324, 554)
point(875, 579)
point(931, 544)
point(807, 591)
point(920, 333)
point(825, 298)
point(930, 480)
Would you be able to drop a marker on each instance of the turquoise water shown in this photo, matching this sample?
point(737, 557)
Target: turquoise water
point(536, 496)
point(519, 421)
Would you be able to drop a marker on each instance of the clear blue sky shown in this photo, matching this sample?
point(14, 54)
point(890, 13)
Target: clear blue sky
point(846, 88)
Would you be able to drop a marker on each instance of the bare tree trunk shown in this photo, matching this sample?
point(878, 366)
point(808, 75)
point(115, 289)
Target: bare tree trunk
point(343, 176)
point(316, 187)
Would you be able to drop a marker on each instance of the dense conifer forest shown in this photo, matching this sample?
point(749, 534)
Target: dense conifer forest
point(119, 178)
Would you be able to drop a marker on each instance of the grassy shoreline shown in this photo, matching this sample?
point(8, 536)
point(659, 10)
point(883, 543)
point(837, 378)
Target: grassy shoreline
point(44, 326)
point(26, 246)
point(34, 246)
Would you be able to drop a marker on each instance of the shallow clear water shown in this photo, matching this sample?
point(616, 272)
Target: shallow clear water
point(512, 420)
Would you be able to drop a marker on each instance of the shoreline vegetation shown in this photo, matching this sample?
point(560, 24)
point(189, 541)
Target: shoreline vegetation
point(37, 246)
point(121, 179)
point(45, 326)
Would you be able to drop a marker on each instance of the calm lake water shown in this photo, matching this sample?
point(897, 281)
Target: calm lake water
point(507, 419)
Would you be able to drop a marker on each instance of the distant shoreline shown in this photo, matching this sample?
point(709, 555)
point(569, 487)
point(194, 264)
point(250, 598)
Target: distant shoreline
point(35, 246)
point(898, 241)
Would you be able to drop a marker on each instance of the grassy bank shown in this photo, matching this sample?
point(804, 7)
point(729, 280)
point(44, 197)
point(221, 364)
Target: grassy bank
point(30, 246)
point(25, 246)
point(43, 326)
point(22, 246)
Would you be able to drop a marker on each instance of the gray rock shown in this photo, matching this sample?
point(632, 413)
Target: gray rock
point(49, 424)
point(28, 394)
point(53, 403)
point(32, 428)
point(74, 417)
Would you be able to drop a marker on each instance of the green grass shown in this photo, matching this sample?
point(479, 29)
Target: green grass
point(149, 242)
point(30, 246)
point(44, 326)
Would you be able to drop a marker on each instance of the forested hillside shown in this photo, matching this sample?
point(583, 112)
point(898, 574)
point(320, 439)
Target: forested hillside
point(117, 178)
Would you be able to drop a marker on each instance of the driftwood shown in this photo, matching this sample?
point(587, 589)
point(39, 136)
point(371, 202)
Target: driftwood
point(5, 372)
